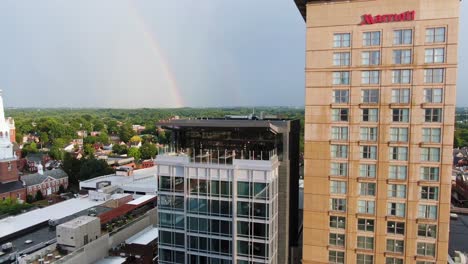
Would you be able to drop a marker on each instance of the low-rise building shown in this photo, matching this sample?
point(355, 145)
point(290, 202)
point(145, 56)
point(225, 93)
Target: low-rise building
point(141, 248)
point(78, 232)
point(141, 182)
point(48, 182)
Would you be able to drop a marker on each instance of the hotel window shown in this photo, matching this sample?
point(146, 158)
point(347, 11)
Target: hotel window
point(397, 172)
point(341, 59)
point(435, 35)
point(339, 133)
point(403, 37)
point(436, 55)
point(395, 228)
point(371, 38)
point(339, 151)
point(338, 169)
point(400, 96)
point(429, 193)
point(337, 239)
point(399, 153)
point(368, 134)
point(391, 260)
point(366, 225)
point(400, 115)
point(433, 115)
point(430, 154)
point(338, 187)
point(396, 191)
point(370, 96)
point(337, 204)
point(433, 95)
point(370, 115)
point(399, 134)
point(370, 57)
point(370, 77)
point(338, 222)
point(401, 76)
point(366, 207)
point(426, 249)
point(364, 259)
point(365, 242)
point(429, 173)
point(341, 78)
point(367, 189)
point(367, 170)
point(396, 209)
point(336, 257)
point(395, 245)
point(402, 56)
point(434, 75)
point(340, 114)
point(369, 152)
point(431, 135)
point(340, 96)
point(427, 211)
point(341, 40)
point(427, 230)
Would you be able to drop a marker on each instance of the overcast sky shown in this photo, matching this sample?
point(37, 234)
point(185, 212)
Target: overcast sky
point(146, 53)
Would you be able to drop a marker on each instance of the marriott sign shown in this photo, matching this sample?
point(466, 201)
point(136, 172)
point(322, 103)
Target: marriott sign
point(369, 19)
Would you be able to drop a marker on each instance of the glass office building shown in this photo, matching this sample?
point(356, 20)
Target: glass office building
point(219, 194)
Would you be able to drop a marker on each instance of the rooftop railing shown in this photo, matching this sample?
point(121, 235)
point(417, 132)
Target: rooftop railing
point(218, 156)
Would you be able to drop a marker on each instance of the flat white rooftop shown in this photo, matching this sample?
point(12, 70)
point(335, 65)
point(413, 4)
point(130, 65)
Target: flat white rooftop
point(142, 180)
point(111, 260)
point(144, 237)
point(142, 199)
point(66, 208)
point(79, 221)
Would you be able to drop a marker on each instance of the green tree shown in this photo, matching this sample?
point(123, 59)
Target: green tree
point(120, 149)
point(90, 140)
point(56, 153)
point(44, 137)
point(29, 198)
point(92, 168)
point(59, 143)
point(148, 151)
point(126, 133)
point(134, 152)
point(19, 138)
point(99, 126)
point(29, 148)
point(88, 150)
point(71, 166)
point(112, 127)
point(12, 206)
point(39, 195)
point(103, 138)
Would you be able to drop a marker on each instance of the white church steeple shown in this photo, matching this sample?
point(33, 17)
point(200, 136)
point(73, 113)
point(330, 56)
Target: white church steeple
point(6, 148)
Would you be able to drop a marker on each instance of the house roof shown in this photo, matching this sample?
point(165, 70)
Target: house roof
point(36, 157)
point(11, 186)
point(36, 178)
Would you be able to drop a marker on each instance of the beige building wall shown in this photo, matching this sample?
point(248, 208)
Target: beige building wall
point(324, 20)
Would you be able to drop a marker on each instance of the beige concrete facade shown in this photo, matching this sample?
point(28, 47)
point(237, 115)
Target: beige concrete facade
point(371, 175)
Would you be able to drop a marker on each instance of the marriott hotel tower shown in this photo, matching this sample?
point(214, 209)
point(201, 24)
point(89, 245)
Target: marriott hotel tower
point(380, 102)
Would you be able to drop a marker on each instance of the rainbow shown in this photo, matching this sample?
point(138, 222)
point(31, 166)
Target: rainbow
point(158, 53)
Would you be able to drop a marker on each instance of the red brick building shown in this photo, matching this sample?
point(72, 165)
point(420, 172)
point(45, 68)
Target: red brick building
point(48, 182)
point(10, 184)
